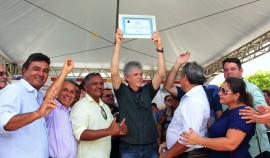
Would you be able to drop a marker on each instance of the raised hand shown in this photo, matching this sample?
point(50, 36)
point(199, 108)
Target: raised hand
point(119, 36)
point(68, 65)
point(182, 58)
point(157, 40)
point(48, 104)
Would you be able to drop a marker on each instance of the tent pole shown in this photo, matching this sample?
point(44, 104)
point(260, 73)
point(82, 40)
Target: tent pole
point(117, 12)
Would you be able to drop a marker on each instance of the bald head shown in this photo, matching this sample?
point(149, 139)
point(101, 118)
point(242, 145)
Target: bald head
point(3, 77)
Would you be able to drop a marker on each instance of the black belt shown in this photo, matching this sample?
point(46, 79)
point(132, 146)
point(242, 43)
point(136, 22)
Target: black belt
point(199, 150)
point(195, 153)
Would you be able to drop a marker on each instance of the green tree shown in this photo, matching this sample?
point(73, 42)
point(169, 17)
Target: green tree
point(260, 79)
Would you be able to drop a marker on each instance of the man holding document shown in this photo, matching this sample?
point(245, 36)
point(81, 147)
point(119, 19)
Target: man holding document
point(134, 101)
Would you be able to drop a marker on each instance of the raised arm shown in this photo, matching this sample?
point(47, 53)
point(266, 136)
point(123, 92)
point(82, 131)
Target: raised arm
point(116, 79)
point(161, 72)
point(169, 82)
point(20, 120)
point(57, 84)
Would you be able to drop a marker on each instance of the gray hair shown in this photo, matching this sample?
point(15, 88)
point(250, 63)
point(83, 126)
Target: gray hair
point(130, 65)
point(194, 73)
point(71, 81)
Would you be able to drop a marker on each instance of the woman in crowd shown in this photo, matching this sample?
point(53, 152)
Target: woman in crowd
point(229, 135)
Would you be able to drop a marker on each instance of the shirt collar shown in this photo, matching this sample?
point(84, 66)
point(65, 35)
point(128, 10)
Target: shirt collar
point(90, 99)
point(62, 106)
point(30, 88)
point(194, 90)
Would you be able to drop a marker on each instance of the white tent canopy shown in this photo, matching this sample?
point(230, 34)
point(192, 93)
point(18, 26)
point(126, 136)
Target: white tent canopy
point(84, 29)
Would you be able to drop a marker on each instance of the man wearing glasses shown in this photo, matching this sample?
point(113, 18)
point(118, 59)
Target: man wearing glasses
point(3, 77)
point(108, 98)
point(92, 121)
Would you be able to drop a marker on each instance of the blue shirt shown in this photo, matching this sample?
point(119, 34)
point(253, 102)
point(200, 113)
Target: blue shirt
point(258, 99)
point(31, 140)
point(231, 119)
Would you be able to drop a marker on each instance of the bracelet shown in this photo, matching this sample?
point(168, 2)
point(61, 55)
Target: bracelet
point(205, 142)
point(161, 51)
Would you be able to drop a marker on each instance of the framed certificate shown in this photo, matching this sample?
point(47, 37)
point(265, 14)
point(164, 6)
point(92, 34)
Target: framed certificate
point(137, 26)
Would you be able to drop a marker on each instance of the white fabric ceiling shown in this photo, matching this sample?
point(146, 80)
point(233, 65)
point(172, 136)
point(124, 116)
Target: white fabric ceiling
point(209, 29)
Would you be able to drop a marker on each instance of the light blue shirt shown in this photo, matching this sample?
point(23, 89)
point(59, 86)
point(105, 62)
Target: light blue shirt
point(30, 141)
point(62, 142)
point(258, 98)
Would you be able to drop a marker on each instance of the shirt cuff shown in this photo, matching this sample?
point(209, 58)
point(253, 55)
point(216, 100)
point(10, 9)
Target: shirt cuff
point(4, 118)
point(78, 132)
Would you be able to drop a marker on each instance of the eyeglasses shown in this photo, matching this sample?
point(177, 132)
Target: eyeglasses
point(108, 95)
point(103, 113)
point(170, 100)
point(224, 91)
point(3, 72)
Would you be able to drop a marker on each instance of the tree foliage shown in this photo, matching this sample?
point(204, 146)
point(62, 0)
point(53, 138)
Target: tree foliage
point(260, 79)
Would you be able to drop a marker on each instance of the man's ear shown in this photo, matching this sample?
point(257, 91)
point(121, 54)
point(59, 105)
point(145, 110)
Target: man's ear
point(185, 78)
point(242, 70)
point(24, 70)
point(127, 78)
point(84, 86)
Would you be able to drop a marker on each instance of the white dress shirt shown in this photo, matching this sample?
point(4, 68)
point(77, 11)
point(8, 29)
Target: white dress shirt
point(192, 112)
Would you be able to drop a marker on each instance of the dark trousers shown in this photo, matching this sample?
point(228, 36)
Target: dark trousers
point(115, 148)
point(196, 153)
point(138, 151)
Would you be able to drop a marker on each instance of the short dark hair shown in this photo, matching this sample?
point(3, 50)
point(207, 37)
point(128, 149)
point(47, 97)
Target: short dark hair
point(165, 98)
point(232, 60)
point(36, 57)
point(89, 76)
point(108, 89)
point(81, 86)
point(267, 92)
point(154, 104)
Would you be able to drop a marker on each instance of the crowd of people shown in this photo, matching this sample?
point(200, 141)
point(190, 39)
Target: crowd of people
point(84, 121)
